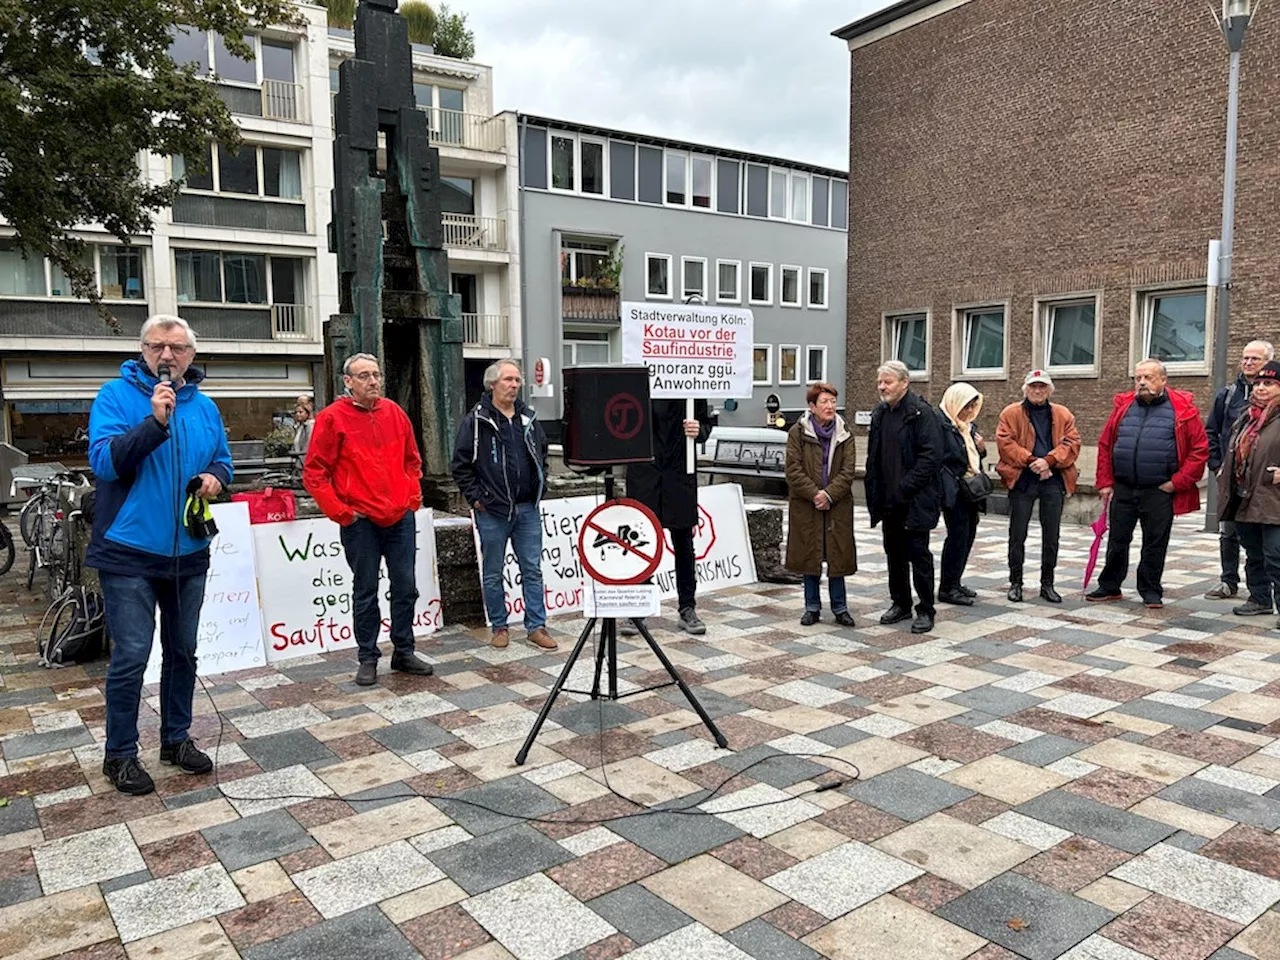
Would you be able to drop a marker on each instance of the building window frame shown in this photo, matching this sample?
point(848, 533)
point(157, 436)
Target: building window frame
point(768, 364)
point(603, 144)
point(1143, 319)
point(685, 293)
point(793, 190)
point(962, 331)
point(809, 351)
point(794, 349)
point(268, 283)
point(668, 259)
point(686, 188)
point(891, 331)
point(1042, 344)
point(768, 297)
point(784, 269)
point(552, 137)
point(825, 274)
point(779, 207)
point(737, 281)
point(96, 251)
point(177, 168)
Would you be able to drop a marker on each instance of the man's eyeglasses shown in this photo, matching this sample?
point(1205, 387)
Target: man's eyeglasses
point(1253, 359)
point(179, 349)
point(366, 377)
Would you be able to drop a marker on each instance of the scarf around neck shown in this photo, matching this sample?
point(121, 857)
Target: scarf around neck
point(1258, 415)
point(824, 438)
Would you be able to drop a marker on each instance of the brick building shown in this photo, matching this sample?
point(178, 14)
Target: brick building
point(1036, 185)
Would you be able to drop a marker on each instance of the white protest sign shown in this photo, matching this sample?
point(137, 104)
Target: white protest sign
point(306, 587)
point(630, 600)
point(722, 548)
point(691, 351)
point(620, 543)
point(230, 631)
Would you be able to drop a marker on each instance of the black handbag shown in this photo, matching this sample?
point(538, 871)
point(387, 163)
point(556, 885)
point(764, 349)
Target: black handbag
point(975, 489)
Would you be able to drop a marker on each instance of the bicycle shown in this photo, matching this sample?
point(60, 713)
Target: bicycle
point(41, 520)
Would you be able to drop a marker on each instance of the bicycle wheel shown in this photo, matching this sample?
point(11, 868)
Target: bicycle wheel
point(7, 550)
point(29, 518)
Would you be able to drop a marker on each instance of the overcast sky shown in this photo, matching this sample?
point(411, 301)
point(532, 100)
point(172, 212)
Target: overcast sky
point(759, 75)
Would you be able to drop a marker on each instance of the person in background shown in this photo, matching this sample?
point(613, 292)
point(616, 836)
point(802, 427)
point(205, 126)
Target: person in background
point(303, 412)
point(820, 467)
point(151, 434)
point(1249, 486)
point(1151, 454)
point(667, 488)
point(1038, 444)
point(365, 472)
point(1231, 401)
point(962, 453)
point(904, 494)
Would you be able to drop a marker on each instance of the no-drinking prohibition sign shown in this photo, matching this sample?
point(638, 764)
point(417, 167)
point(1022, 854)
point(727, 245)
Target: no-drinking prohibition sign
point(620, 543)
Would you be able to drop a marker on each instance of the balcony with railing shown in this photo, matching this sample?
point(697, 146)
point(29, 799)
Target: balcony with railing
point(273, 100)
point(475, 233)
point(470, 131)
point(485, 330)
point(595, 303)
point(289, 321)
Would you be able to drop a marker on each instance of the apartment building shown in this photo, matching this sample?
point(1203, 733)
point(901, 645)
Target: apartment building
point(610, 215)
point(480, 197)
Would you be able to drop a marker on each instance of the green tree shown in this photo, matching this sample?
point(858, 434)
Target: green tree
point(422, 20)
point(453, 38)
point(86, 86)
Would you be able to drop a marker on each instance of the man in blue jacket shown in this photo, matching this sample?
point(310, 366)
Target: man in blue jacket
point(151, 433)
point(1230, 402)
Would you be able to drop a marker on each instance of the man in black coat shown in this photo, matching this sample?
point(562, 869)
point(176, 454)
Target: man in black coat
point(667, 488)
point(904, 460)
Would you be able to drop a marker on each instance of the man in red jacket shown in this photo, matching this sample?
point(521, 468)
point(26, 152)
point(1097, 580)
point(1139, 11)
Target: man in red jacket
point(363, 468)
point(1151, 454)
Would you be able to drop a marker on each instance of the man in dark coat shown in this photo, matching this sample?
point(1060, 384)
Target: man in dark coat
point(904, 460)
point(667, 488)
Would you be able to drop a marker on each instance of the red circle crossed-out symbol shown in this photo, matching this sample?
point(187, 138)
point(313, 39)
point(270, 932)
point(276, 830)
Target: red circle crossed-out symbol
point(623, 416)
point(651, 560)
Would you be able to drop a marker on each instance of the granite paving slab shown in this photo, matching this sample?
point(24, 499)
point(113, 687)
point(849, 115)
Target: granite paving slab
point(1089, 818)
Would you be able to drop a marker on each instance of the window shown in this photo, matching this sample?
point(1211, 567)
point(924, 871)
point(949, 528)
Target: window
point(239, 171)
point(778, 194)
point(582, 262)
point(702, 182)
point(818, 287)
point(622, 170)
point(757, 190)
point(583, 347)
point(840, 204)
point(457, 195)
point(983, 343)
point(189, 45)
point(909, 340)
point(199, 275)
point(20, 275)
point(227, 66)
point(207, 276)
point(269, 59)
point(761, 283)
point(788, 364)
point(761, 362)
point(195, 180)
point(815, 364)
point(562, 163)
point(800, 197)
point(593, 167)
point(657, 270)
point(60, 283)
point(650, 180)
point(277, 61)
point(789, 288)
point(821, 200)
point(728, 281)
point(118, 271)
point(1069, 335)
point(282, 173)
point(254, 172)
point(728, 186)
point(1174, 326)
point(676, 163)
point(121, 273)
point(533, 157)
point(694, 270)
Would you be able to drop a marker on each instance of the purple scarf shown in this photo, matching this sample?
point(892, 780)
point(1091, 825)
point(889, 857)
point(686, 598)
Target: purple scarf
point(824, 437)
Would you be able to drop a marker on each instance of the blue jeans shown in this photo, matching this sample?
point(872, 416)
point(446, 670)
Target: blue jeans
point(813, 595)
point(366, 545)
point(1261, 543)
point(131, 621)
point(524, 530)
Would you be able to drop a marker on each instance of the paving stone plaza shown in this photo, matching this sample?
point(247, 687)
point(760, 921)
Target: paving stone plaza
point(1091, 782)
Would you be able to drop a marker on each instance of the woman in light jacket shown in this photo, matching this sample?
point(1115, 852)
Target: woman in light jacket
point(819, 467)
point(962, 452)
point(304, 419)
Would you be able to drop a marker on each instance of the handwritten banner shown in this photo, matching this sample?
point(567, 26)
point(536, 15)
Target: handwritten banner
point(722, 548)
point(306, 587)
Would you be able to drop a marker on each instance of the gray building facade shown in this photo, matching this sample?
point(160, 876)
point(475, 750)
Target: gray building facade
point(608, 216)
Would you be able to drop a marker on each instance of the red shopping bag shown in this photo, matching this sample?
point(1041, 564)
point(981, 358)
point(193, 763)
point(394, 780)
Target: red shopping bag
point(269, 505)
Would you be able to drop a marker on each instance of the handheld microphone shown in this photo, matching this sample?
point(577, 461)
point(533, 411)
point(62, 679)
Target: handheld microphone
point(162, 372)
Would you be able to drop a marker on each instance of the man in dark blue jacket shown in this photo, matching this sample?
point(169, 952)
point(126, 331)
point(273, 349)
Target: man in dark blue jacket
point(151, 433)
point(1228, 404)
point(500, 465)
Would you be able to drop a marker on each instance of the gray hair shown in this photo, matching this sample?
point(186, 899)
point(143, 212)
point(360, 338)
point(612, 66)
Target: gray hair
point(494, 370)
point(346, 366)
point(1265, 345)
point(167, 321)
point(1027, 386)
point(1152, 361)
point(895, 367)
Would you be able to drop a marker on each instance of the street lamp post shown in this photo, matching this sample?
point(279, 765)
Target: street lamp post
point(1236, 15)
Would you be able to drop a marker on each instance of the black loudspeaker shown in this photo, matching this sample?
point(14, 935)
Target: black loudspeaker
point(606, 416)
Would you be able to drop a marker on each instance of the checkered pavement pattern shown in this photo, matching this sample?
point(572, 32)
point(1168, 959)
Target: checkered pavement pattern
point(1090, 782)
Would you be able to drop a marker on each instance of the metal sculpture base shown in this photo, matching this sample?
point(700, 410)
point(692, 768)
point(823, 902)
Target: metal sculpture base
point(607, 654)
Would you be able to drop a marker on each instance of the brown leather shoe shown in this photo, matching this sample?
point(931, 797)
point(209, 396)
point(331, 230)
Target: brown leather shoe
point(540, 638)
point(501, 637)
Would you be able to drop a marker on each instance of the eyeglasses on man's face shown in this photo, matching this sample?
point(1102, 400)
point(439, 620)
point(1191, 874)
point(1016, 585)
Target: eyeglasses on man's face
point(368, 376)
point(178, 349)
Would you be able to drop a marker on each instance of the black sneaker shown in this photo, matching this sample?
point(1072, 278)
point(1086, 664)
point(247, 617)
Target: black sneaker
point(187, 756)
point(690, 623)
point(1250, 608)
point(127, 775)
point(411, 663)
point(967, 591)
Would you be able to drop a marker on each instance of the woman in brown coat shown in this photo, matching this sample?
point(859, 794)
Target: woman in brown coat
point(820, 465)
point(1249, 486)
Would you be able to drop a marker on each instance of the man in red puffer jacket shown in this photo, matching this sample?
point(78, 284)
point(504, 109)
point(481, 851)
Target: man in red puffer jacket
point(363, 468)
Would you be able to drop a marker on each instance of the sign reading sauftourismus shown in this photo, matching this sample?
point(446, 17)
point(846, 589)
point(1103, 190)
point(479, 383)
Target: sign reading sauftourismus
point(691, 351)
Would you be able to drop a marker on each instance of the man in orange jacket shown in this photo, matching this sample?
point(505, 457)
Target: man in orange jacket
point(1151, 455)
point(363, 468)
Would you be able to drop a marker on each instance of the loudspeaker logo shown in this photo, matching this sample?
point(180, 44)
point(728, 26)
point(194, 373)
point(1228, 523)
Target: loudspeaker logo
point(623, 416)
